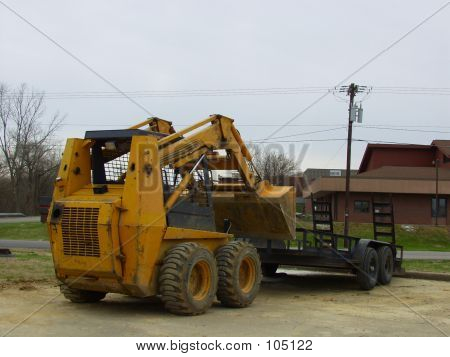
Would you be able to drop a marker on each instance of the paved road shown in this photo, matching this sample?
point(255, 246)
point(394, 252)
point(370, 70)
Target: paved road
point(422, 255)
point(20, 219)
point(33, 244)
point(30, 244)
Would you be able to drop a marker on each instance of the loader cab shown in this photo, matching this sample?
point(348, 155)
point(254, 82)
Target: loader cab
point(110, 154)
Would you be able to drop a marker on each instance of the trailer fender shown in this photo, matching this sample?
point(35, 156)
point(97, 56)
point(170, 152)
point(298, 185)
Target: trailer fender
point(359, 249)
point(361, 246)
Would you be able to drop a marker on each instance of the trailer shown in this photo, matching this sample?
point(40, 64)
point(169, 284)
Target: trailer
point(371, 261)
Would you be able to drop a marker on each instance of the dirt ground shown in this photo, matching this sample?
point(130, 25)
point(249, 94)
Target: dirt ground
point(298, 304)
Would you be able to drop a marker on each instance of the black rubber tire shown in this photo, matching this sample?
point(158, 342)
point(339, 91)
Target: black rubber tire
point(81, 296)
point(386, 263)
point(175, 275)
point(367, 274)
point(237, 260)
point(269, 269)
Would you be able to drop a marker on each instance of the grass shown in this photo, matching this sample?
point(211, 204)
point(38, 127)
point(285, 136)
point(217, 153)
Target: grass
point(435, 266)
point(27, 266)
point(416, 238)
point(24, 231)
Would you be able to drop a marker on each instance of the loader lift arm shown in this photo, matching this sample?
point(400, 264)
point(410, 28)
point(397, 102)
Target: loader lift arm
point(256, 208)
point(195, 142)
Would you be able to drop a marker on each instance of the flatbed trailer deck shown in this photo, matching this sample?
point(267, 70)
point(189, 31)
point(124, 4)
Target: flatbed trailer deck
point(372, 261)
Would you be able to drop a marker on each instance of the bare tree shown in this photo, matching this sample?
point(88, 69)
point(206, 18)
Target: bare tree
point(27, 147)
point(273, 165)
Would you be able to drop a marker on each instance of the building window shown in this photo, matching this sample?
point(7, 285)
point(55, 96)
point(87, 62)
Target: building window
point(442, 207)
point(335, 173)
point(361, 206)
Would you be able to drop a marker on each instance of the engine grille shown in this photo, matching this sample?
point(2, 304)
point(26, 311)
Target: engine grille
point(79, 231)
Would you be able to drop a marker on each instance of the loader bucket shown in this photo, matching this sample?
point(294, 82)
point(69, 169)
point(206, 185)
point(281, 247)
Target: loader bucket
point(268, 213)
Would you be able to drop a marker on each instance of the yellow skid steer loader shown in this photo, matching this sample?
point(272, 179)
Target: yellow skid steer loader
point(142, 212)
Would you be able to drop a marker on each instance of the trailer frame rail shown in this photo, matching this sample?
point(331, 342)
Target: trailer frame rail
point(316, 248)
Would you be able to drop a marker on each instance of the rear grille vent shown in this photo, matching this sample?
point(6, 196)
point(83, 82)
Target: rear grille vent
point(79, 231)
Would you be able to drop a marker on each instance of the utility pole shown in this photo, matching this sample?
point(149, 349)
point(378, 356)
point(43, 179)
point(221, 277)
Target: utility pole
point(351, 91)
point(354, 114)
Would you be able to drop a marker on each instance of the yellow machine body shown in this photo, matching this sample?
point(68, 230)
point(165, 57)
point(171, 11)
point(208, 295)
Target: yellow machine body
point(109, 232)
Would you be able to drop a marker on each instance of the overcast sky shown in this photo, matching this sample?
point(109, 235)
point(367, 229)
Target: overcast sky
point(209, 45)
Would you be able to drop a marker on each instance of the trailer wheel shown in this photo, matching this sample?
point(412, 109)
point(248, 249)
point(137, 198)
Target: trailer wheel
point(239, 274)
point(386, 262)
point(269, 269)
point(188, 279)
point(367, 274)
point(81, 296)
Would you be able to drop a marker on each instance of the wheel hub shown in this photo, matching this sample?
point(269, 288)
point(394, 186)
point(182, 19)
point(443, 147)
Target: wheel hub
point(200, 280)
point(247, 274)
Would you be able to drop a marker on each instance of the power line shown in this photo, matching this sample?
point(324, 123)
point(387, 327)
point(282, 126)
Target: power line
point(306, 88)
point(414, 88)
point(402, 126)
point(385, 142)
point(333, 127)
point(404, 129)
point(227, 92)
point(307, 133)
point(363, 127)
point(369, 141)
point(297, 141)
point(184, 124)
point(247, 141)
point(357, 140)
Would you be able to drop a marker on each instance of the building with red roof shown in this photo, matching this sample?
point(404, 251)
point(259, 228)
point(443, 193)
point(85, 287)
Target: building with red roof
point(409, 175)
